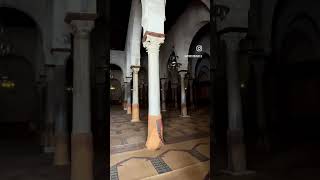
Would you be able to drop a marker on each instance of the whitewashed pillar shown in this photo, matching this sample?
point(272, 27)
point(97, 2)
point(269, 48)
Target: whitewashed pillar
point(61, 155)
point(163, 94)
point(236, 147)
point(155, 128)
point(81, 140)
point(50, 107)
point(125, 96)
point(191, 93)
point(184, 110)
point(129, 91)
point(135, 94)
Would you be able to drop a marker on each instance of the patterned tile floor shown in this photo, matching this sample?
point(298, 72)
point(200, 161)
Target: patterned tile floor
point(127, 136)
point(173, 161)
point(185, 156)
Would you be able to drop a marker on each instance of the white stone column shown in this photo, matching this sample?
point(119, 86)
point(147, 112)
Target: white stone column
point(174, 95)
point(191, 93)
point(125, 96)
point(129, 91)
point(184, 110)
point(163, 94)
point(236, 147)
point(61, 156)
point(50, 107)
point(155, 128)
point(81, 140)
point(135, 94)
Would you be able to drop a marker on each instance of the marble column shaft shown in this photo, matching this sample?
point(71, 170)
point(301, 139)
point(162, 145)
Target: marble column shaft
point(155, 128)
point(125, 96)
point(61, 131)
point(191, 93)
point(81, 140)
point(50, 114)
point(163, 95)
point(129, 91)
point(184, 111)
point(237, 154)
point(135, 95)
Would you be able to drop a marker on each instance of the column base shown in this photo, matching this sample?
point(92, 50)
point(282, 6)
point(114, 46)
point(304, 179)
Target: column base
point(129, 110)
point(135, 113)
point(184, 116)
point(155, 133)
point(81, 157)
point(61, 155)
point(237, 163)
point(164, 110)
point(48, 142)
point(184, 112)
point(124, 104)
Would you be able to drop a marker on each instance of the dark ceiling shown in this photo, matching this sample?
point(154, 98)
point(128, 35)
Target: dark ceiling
point(120, 12)
point(10, 17)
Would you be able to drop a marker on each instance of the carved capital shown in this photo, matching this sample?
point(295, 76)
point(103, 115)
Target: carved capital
point(81, 29)
point(183, 73)
point(152, 44)
point(232, 39)
point(135, 69)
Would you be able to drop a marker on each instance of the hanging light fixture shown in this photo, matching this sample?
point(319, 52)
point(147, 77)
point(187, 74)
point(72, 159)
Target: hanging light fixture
point(173, 64)
point(6, 83)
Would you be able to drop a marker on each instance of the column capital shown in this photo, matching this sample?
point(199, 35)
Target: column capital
point(183, 73)
point(152, 43)
point(232, 39)
point(163, 80)
point(81, 28)
point(135, 69)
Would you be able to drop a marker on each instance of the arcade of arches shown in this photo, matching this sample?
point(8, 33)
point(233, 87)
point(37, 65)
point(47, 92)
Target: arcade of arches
point(256, 64)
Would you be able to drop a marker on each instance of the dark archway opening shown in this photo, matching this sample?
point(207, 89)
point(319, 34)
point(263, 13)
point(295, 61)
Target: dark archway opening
point(21, 111)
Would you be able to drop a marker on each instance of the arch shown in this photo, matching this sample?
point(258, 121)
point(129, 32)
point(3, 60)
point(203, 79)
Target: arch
point(115, 90)
point(285, 14)
point(118, 58)
point(38, 56)
point(207, 3)
point(203, 75)
point(204, 62)
point(117, 73)
point(201, 38)
point(301, 23)
point(38, 11)
point(182, 33)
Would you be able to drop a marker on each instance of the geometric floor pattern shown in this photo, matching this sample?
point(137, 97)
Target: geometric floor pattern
point(173, 161)
point(186, 153)
point(128, 136)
